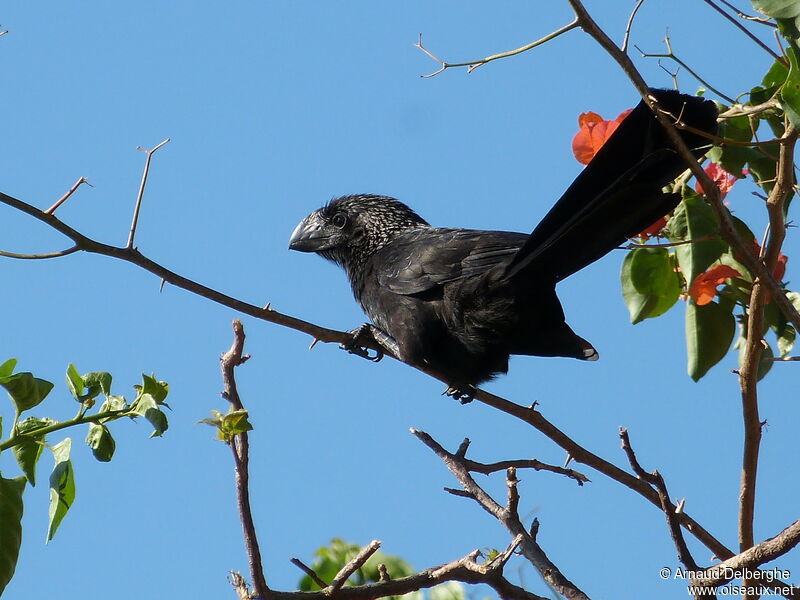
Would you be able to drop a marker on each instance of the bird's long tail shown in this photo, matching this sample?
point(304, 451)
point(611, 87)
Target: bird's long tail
point(619, 193)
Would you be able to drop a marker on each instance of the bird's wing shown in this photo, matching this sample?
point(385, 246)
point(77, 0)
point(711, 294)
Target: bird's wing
point(423, 259)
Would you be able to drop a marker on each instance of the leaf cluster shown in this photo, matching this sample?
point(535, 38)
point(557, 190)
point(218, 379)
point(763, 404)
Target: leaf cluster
point(28, 437)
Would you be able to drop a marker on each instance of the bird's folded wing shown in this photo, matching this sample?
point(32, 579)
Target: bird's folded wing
point(422, 260)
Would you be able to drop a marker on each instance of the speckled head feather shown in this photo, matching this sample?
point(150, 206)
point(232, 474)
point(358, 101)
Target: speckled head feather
point(368, 222)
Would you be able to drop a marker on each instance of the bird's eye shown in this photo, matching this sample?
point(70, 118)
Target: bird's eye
point(339, 220)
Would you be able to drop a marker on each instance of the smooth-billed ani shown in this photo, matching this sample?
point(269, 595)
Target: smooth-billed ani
point(460, 300)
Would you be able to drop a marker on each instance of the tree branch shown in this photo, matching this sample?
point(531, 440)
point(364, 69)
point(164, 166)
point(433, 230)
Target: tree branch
point(507, 516)
point(474, 64)
point(240, 447)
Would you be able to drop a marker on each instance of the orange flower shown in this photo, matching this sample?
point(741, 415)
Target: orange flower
point(704, 286)
point(721, 178)
point(654, 229)
point(592, 133)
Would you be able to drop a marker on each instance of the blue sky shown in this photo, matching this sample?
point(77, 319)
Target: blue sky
point(274, 108)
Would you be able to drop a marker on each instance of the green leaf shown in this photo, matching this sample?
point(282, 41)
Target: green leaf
point(113, 403)
point(650, 285)
point(150, 396)
point(25, 390)
point(28, 451)
point(786, 339)
point(7, 368)
point(694, 220)
point(158, 390)
point(146, 406)
point(790, 93)
point(778, 9)
point(709, 331)
point(10, 527)
point(75, 383)
point(98, 382)
point(62, 486)
point(100, 441)
point(229, 424)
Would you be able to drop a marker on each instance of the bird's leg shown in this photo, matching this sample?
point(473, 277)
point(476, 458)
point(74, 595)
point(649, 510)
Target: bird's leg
point(367, 332)
point(463, 395)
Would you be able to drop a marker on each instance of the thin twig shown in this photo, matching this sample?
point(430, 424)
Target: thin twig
point(474, 64)
point(58, 254)
point(310, 572)
point(135, 220)
point(69, 193)
point(532, 463)
point(671, 55)
point(670, 512)
point(628, 27)
point(749, 34)
point(352, 566)
point(634, 246)
point(241, 456)
point(507, 516)
point(747, 17)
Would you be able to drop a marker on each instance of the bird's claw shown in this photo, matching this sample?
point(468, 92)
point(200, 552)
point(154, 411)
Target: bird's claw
point(457, 393)
point(354, 347)
point(362, 351)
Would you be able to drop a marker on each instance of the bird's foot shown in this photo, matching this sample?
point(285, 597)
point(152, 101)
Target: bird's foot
point(355, 345)
point(463, 395)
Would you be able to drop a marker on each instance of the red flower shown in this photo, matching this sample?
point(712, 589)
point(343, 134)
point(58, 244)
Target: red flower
point(592, 133)
point(723, 180)
point(654, 229)
point(704, 286)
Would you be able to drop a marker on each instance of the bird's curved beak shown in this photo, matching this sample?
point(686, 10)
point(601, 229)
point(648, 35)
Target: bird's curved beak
point(310, 235)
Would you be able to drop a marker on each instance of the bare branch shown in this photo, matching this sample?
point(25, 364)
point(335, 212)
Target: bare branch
point(754, 557)
point(241, 457)
point(310, 572)
point(628, 27)
point(749, 34)
point(532, 463)
point(747, 17)
point(145, 173)
point(671, 55)
point(351, 567)
point(748, 373)
point(474, 64)
point(507, 516)
point(58, 254)
point(69, 193)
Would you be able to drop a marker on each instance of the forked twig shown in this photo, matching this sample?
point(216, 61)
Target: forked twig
point(145, 173)
point(474, 64)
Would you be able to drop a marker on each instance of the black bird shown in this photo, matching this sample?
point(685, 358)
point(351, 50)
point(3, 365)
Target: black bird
point(460, 300)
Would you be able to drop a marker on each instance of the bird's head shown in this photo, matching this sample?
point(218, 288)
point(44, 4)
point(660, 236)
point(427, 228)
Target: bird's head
point(349, 229)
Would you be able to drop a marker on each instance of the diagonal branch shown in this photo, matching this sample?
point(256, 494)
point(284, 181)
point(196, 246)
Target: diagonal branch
point(508, 516)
